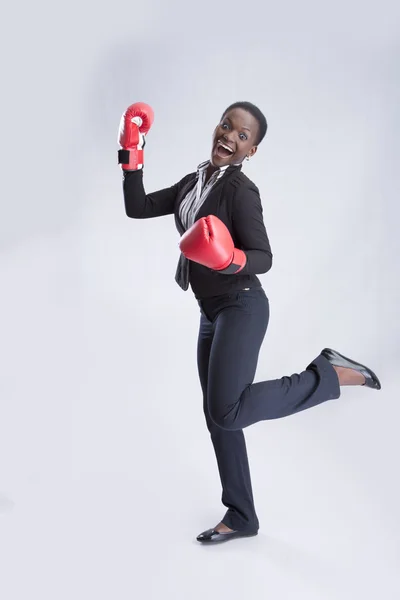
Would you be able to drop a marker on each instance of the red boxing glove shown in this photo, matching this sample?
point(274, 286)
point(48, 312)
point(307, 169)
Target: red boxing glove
point(209, 243)
point(135, 124)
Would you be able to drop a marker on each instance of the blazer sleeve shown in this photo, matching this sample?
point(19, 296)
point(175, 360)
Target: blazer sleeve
point(250, 232)
point(139, 205)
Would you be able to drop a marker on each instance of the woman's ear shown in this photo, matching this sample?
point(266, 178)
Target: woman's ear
point(252, 151)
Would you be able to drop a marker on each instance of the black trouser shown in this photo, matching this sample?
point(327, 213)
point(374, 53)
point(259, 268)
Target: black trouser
point(232, 328)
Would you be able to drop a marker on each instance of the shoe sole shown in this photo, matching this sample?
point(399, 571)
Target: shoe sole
point(227, 538)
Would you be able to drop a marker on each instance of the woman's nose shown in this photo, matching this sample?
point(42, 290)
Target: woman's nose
point(227, 138)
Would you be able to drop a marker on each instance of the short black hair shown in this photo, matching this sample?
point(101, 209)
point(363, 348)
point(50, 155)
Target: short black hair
point(257, 114)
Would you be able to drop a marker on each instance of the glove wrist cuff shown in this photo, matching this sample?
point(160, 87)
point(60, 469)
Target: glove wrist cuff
point(131, 160)
point(238, 263)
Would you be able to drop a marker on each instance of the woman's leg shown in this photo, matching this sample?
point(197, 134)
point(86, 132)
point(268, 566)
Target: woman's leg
point(230, 450)
point(234, 401)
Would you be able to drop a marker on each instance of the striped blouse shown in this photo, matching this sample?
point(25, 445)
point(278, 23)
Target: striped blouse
point(193, 201)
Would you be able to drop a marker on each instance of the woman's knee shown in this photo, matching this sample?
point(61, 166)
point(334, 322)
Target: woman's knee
point(223, 420)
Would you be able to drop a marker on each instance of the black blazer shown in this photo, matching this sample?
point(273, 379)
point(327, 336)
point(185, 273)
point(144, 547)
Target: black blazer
point(235, 200)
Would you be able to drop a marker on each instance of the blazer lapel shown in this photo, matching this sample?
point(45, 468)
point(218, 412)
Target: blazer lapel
point(181, 195)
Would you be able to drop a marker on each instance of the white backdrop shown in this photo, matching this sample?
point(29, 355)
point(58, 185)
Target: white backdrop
point(107, 472)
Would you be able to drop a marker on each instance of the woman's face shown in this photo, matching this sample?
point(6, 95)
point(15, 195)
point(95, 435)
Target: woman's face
point(234, 138)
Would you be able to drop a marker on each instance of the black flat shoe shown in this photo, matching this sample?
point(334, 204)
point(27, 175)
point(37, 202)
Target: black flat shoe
point(215, 537)
point(338, 360)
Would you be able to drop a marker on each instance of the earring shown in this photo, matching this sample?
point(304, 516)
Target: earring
point(247, 157)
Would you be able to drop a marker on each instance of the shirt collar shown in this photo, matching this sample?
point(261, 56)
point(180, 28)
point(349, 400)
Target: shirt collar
point(204, 165)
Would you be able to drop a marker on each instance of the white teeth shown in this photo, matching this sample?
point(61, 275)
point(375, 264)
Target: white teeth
point(226, 147)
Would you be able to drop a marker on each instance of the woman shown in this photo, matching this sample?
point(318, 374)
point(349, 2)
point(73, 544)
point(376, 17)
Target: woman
point(224, 246)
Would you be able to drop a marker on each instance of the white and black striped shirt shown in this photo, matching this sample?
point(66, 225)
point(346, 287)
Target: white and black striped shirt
point(193, 201)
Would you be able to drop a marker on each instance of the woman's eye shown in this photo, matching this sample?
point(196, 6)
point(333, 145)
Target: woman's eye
point(243, 136)
point(224, 125)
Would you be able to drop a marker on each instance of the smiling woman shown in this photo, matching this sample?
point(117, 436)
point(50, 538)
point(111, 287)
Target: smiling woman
point(224, 246)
